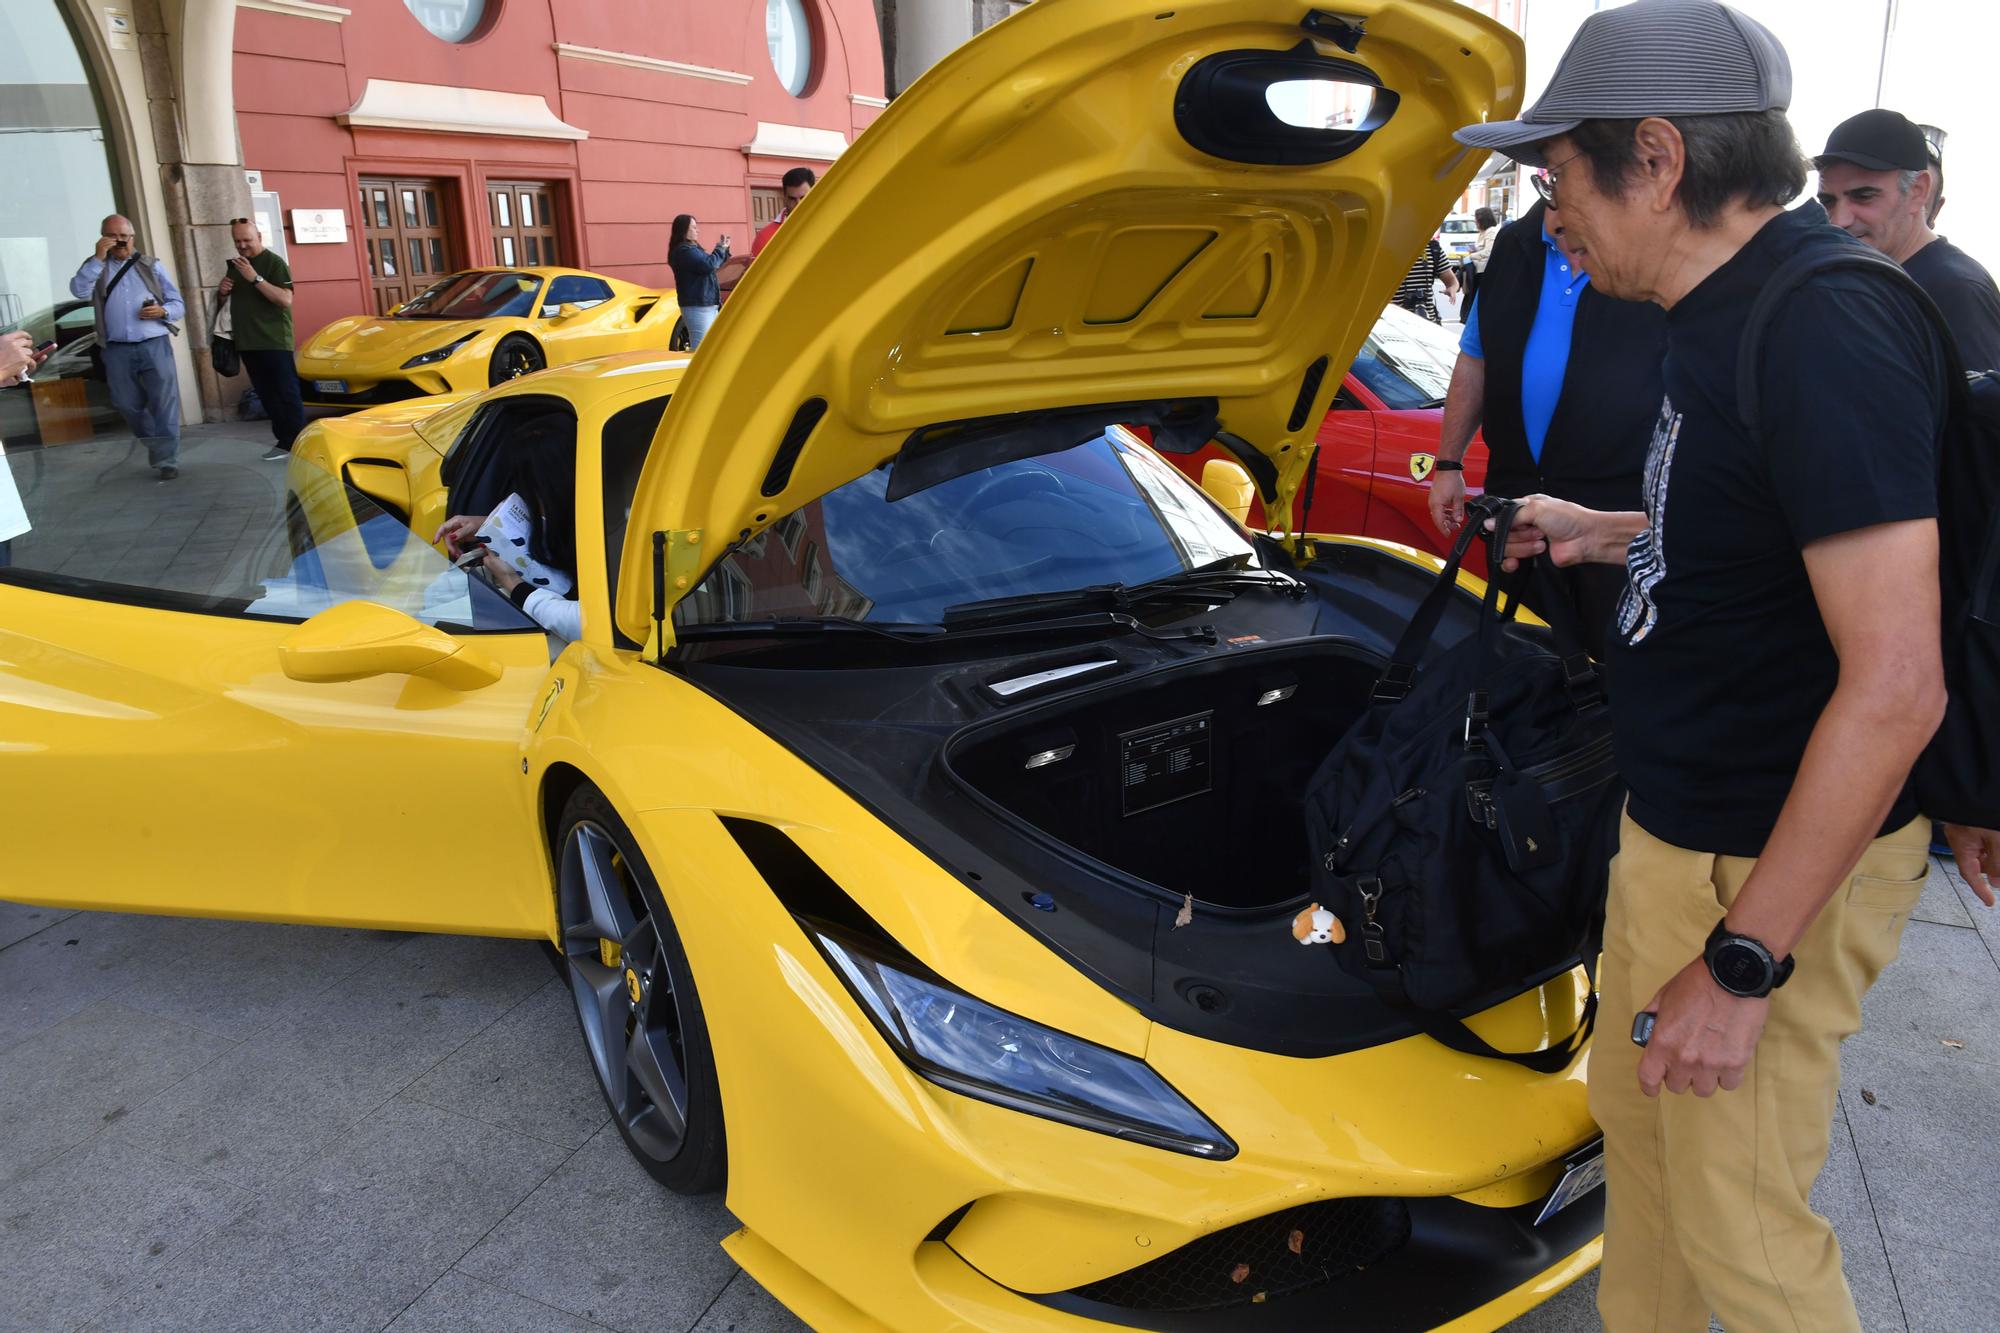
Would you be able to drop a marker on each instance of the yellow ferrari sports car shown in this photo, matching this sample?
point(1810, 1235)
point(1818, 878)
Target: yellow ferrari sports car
point(477, 328)
point(917, 812)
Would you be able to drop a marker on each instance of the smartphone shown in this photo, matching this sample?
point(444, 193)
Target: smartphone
point(470, 558)
point(1642, 1028)
point(46, 348)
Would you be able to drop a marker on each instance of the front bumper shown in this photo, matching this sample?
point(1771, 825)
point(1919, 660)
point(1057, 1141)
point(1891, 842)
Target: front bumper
point(365, 393)
point(874, 1199)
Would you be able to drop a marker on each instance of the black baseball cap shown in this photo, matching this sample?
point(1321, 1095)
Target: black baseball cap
point(1878, 140)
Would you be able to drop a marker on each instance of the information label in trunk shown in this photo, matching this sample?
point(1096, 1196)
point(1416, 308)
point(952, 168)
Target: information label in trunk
point(1162, 764)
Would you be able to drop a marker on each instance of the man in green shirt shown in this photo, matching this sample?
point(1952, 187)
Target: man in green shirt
point(259, 288)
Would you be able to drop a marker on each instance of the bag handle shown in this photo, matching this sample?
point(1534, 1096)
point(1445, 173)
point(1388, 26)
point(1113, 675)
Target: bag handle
point(1401, 672)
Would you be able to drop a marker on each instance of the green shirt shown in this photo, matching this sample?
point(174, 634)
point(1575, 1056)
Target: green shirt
point(258, 324)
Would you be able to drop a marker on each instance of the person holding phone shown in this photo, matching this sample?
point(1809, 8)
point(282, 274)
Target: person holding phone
point(138, 310)
point(258, 287)
point(694, 276)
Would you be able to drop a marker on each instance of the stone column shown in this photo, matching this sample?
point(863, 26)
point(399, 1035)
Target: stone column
point(188, 51)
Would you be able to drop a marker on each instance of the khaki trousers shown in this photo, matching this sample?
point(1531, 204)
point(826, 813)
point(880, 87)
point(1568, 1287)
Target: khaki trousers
point(1705, 1206)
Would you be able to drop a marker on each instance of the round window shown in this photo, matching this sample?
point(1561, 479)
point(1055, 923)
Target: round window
point(453, 20)
point(790, 38)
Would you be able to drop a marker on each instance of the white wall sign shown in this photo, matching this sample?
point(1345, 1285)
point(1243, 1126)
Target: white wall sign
point(255, 180)
point(318, 226)
point(118, 33)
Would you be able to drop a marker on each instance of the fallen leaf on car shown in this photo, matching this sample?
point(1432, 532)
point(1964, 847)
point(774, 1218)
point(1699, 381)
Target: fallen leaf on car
point(1182, 918)
point(1296, 1242)
point(1868, 1096)
point(1240, 1273)
point(1952, 1043)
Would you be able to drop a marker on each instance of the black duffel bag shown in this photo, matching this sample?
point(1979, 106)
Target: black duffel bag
point(1463, 828)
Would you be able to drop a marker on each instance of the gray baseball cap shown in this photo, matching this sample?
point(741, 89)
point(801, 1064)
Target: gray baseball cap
point(1650, 58)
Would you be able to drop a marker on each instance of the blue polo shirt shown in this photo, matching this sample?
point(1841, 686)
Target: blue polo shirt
point(1547, 355)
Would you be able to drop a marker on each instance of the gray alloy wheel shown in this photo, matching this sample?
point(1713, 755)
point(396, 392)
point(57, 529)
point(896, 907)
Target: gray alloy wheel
point(680, 340)
point(514, 357)
point(635, 1001)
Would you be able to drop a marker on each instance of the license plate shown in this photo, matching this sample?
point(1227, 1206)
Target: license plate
point(330, 386)
point(1584, 1174)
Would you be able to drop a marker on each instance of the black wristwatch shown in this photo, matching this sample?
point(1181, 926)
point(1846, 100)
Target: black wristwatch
point(1447, 465)
point(1743, 966)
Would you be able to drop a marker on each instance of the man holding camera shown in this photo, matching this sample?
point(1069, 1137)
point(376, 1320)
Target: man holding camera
point(258, 288)
point(138, 310)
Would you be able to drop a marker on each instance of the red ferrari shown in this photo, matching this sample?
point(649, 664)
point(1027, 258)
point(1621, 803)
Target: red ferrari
point(1377, 444)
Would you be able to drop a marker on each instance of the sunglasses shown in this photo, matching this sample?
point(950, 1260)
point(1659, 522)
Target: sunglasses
point(1547, 179)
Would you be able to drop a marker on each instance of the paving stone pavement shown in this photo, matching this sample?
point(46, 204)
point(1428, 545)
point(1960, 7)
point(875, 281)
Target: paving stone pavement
point(215, 1125)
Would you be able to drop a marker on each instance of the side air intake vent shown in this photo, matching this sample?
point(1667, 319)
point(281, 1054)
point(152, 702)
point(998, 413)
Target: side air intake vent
point(789, 448)
point(1308, 390)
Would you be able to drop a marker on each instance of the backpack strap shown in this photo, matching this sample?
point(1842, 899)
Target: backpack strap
point(1792, 275)
point(1401, 672)
point(1552, 1059)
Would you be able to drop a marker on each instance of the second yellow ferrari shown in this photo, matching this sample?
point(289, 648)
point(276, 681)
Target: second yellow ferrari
point(479, 328)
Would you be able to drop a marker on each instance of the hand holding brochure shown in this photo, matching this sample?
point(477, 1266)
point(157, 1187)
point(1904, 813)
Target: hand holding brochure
point(506, 533)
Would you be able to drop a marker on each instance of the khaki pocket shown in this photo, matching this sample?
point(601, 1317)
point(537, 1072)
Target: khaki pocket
point(1872, 932)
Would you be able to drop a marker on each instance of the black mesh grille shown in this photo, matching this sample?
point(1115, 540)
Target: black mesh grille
point(1335, 1238)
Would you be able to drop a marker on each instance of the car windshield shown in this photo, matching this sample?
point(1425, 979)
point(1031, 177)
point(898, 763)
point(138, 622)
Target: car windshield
point(475, 296)
point(1106, 511)
point(1407, 361)
point(1460, 225)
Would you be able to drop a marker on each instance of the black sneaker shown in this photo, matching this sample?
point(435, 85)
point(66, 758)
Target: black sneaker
point(274, 454)
point(169, 472)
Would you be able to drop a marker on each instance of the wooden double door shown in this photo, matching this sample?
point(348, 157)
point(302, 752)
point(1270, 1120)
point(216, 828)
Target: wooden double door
point(405, 228)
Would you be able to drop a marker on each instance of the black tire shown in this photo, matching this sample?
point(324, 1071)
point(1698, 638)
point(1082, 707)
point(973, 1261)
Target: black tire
point(668, 1076)
point(680, 340)
point(517, 355)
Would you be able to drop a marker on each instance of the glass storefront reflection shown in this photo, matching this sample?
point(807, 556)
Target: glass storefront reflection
point(57, 165)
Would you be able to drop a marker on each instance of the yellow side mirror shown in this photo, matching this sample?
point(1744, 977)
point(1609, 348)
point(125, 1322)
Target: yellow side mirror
point(1230, 486)
point(393, 309)
point(568, 309)
point(356, 640)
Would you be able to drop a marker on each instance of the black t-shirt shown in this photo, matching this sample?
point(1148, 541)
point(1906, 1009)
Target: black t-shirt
point(1720, 663)
point(1965, 295)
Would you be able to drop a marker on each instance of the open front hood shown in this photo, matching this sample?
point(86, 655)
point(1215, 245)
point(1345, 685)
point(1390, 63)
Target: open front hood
point(1091, 202)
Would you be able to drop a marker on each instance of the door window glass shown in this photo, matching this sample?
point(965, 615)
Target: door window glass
point(230, 537)
point(575, 289)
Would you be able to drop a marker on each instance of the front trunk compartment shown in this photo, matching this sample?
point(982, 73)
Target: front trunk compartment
point(930, 744)
point(1191, 778)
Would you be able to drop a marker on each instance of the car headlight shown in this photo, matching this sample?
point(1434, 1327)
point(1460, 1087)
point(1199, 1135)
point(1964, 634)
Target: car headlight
point(433, 357)
point(972, 1048)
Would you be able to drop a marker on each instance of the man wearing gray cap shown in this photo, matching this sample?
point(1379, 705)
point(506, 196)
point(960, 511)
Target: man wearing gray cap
point(1775, 668)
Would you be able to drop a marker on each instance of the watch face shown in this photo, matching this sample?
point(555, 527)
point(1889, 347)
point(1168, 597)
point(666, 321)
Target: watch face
point(1740, 968)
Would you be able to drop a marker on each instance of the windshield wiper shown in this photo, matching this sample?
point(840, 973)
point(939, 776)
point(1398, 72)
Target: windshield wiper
point(910, 632)
point(1195, 587)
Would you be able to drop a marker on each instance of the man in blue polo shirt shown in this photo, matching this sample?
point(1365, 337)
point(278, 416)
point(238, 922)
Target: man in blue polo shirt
point(1565, 383)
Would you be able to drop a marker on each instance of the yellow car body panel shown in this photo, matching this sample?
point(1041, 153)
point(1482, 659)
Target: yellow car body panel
point(367, 352)
point(871, 1197)
point(1075, 248)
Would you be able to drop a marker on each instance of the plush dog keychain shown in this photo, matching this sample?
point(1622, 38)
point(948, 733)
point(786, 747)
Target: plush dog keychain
point(1316, 925)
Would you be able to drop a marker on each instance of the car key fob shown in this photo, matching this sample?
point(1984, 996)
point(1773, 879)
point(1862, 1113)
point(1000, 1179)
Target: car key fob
point(1642, 1028)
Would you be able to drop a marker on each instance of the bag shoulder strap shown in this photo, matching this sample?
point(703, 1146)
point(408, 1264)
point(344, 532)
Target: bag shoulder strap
point(1792, 275)
point(125, 268)
point(1553, 1059)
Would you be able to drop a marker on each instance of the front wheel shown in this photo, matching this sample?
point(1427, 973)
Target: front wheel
point(680, 340)
point(514, 357)
point(636, 1001)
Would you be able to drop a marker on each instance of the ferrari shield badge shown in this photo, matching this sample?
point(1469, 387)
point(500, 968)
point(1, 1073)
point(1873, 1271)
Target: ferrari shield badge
point(1421, 465)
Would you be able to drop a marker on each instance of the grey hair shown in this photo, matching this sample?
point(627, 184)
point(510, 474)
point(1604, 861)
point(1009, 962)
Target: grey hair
point(1747, 156)
point(1906, 181)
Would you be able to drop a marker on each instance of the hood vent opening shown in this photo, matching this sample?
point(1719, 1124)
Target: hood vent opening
point(805, 890)
point(794, 443)
point(1308, 390)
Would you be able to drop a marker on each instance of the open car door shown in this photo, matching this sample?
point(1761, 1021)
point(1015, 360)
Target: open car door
point(246, 695)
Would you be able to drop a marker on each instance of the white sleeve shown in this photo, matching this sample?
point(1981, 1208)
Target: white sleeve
point(558, 615)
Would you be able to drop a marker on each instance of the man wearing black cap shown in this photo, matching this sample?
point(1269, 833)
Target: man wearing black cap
point(1876, 181)
point(1775, 672)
